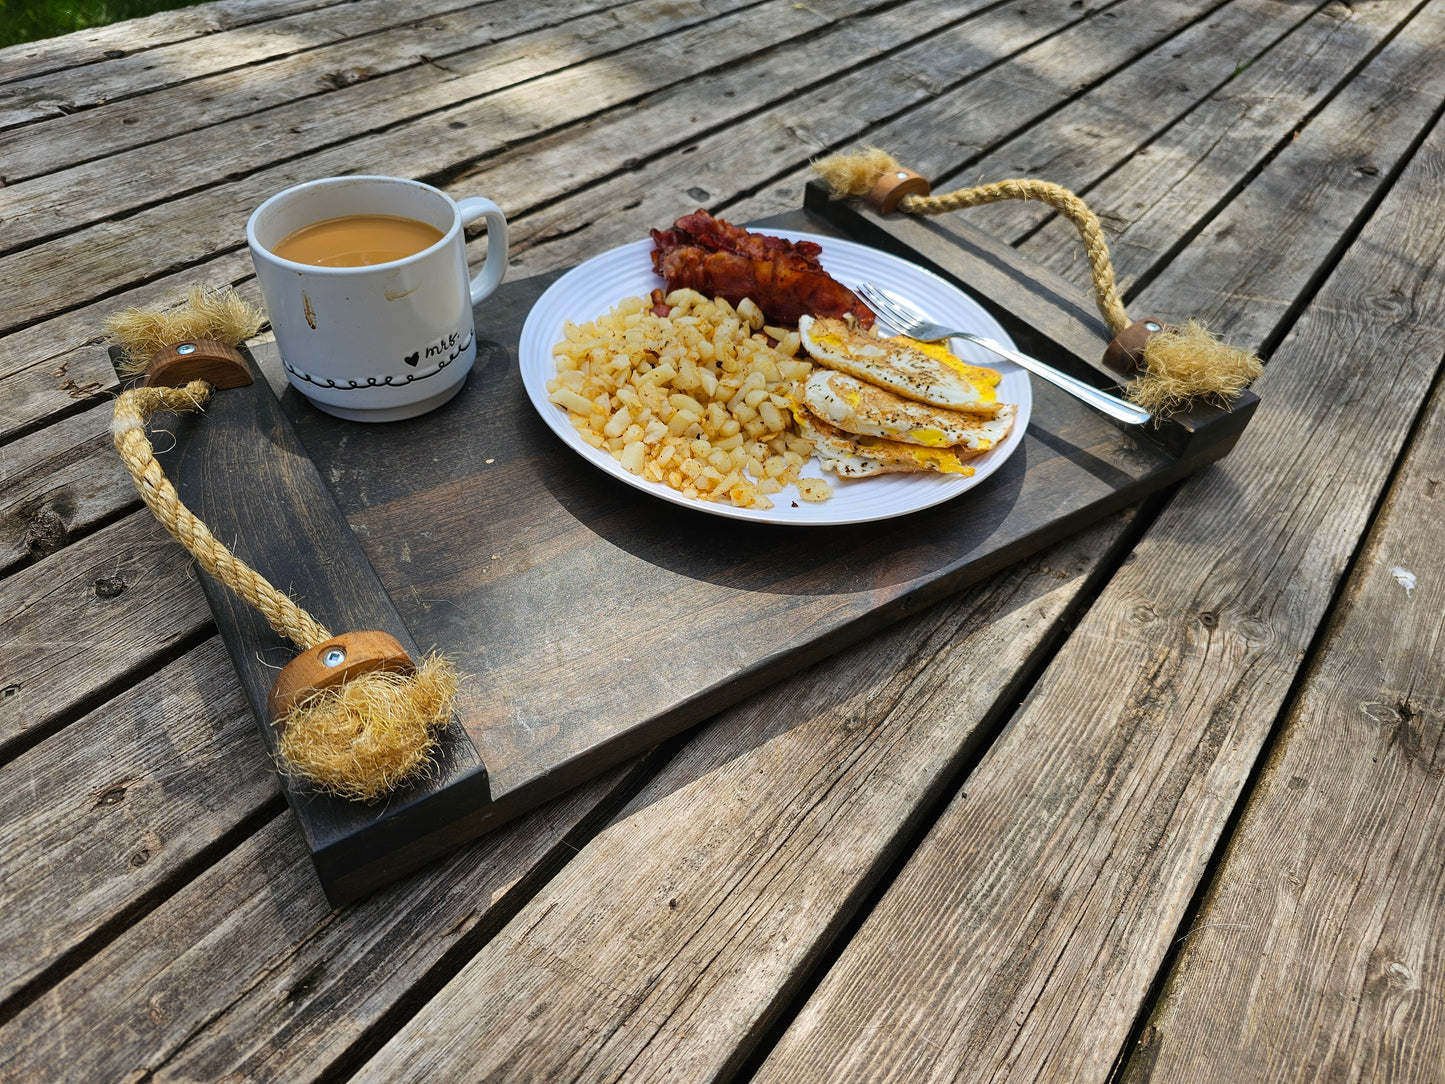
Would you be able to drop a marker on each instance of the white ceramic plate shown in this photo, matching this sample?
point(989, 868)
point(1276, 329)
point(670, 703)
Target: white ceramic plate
point(590, 289)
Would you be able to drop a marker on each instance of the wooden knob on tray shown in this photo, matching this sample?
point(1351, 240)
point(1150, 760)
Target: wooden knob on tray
point(216, 363)
point(1125, 355)
point(894, 185)
point(337, 660)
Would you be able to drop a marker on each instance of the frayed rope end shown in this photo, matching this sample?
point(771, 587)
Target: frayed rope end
point(1186, 365)
point(367, 736)
point(221, 315)
point(854, 175)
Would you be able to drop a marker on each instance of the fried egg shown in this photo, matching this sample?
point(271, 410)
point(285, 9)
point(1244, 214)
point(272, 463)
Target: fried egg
point(850, 456)
point(865, 410)
point(926, 372)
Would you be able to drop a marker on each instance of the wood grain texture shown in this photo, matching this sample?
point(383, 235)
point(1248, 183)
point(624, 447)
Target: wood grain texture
point(379, 82)
point(666, 946)
point(771, 829)
point(123, 92)
point(89, 47)
point(956, 127)
point(501, 35)
point(1317, 178)
point(59, 484)
point(32, 360)
point(673, 172)
point(1023, 934)
point(32, 354)
point(1188, 82)
point(1320, 951)
point(247, 651)
point(60, 366)
point(210, 219)
point(247, 973)
point(1204, 152)
point(958, 65)
point(105, 811)
point(128, 587)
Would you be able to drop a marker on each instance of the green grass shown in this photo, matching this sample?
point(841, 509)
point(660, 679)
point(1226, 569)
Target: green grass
point(31, 20)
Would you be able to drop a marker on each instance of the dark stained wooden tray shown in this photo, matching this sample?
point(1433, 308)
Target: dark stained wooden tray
point(594, 620)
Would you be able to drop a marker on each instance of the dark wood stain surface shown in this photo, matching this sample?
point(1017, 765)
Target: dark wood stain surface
point(241, 469)
point(560, 592)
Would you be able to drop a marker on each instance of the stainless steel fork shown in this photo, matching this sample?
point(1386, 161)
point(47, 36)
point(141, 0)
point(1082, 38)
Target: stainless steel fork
point(903, 316)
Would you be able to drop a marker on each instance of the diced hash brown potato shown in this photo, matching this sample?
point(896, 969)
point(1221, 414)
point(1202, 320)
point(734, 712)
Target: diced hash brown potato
point(814, 489)
point(696, 399)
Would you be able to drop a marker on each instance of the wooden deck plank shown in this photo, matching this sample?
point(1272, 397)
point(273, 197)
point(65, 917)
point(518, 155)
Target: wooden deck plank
point(247, 974)
point(755, 1018)
point(761, 885)
point(331, 41)
point(844, 110)
point(1238, 113)
point(1025, 931)
point(1093, 136)
point(1319, 951)
point(194, 227)
point(45, 396)
point(1350, 153)
point(730, 1019)
point(725, 876)
point(133, 792)
point(128, 587)
point(956, 127)
point(399, 89)
point(28, 358)
point(87, 48)
point(59, 484)
point(347, 51)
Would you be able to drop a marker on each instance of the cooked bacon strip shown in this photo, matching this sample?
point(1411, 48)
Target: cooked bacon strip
point(720, 260)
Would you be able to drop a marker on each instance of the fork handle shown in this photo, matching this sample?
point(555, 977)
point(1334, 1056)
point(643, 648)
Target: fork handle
point(1111, 405)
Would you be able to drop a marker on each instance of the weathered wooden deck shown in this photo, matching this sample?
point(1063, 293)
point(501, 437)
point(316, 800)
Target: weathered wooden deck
point(1165, 802)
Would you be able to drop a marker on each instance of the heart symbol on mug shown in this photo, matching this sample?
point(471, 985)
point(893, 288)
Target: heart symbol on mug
point(411, 359)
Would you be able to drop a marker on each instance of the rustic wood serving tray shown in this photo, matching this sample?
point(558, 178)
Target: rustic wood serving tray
point(594, 620)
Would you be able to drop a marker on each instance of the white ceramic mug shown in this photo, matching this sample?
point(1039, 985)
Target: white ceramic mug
point(388, 340)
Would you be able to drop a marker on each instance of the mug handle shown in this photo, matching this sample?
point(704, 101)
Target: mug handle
point(471, 209)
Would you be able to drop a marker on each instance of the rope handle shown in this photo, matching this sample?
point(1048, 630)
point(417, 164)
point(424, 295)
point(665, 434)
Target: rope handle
point(887, 185)
point(1101, 267)
point(133, 409)
point(1172, 368)
point(353, 714)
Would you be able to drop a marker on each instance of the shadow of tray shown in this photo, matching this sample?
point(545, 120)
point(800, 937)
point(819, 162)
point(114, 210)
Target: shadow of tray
point(583, 610)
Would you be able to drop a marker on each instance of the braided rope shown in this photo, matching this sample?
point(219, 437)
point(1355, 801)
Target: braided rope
point(1106, 291)
point(128, 427)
